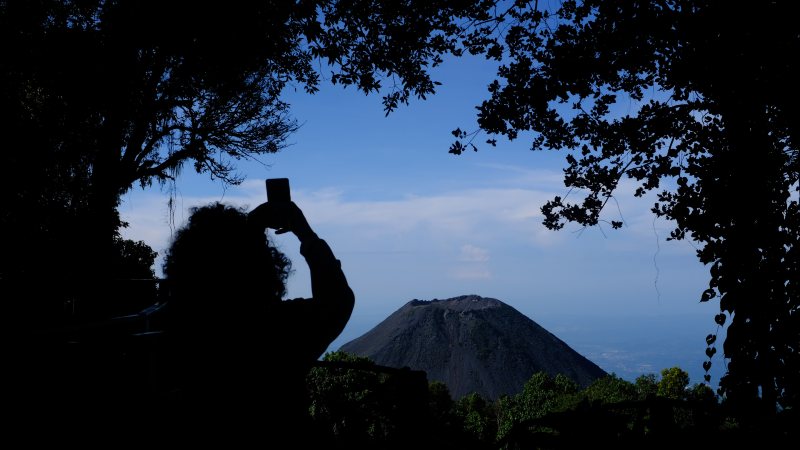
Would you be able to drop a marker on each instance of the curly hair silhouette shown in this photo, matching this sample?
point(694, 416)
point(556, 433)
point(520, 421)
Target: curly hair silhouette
point(217, 256)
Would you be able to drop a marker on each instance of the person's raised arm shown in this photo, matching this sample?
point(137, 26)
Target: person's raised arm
point(332, 299)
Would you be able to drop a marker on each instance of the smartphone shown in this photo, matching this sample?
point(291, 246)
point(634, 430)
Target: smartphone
point(278, 190)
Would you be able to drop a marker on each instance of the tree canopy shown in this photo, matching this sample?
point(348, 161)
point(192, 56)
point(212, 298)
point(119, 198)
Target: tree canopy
point(695, 101)
point(102, 95)
point(98, 96)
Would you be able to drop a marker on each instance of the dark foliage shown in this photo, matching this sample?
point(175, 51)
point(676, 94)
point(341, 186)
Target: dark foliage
point(358, 404)
point(357, 407)
point(693, 100)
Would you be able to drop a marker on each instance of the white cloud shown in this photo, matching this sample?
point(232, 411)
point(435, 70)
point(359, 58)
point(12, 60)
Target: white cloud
point(429, 224)
point(471, 264)
point(487, 218)
point(471, 253)
point(491, 236)
point(476, 214)
point(511, 205)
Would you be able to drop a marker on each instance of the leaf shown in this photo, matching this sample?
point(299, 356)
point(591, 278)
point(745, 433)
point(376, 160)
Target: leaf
point(720, 319)
point(707, 366)
point(707, 377)
point(710, 351)
point(711, 338)
point(708, 294)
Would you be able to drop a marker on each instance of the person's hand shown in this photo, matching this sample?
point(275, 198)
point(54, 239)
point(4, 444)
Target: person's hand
point(283, 217)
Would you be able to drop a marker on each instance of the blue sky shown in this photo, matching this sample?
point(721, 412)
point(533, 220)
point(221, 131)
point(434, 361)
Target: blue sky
point(409, 220)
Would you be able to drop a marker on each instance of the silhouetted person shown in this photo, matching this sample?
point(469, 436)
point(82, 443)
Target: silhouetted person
point(239, 354)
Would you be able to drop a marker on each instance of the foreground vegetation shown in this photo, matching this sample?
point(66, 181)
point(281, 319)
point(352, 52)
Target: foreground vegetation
point(360, 404)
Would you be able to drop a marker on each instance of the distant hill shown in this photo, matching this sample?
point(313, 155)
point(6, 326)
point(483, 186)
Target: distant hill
point(472, 344)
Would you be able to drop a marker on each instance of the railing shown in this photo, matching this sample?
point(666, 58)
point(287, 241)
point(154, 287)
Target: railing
point(40, 305)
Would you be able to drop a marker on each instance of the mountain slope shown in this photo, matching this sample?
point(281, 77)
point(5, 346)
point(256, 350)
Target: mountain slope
point(472, 344)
